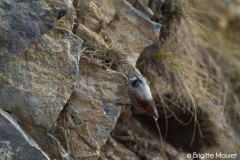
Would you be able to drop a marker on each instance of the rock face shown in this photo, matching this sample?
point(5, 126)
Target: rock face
point(14, 143)
point(120, 23)
point(67, 104)
point(23, 22)
point(92, 111)
point(39, 81)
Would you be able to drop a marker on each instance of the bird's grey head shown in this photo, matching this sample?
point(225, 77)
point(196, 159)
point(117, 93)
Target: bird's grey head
point(137, 81)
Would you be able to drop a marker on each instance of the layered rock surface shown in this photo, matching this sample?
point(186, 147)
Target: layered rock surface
point(119, 23)
point(39, 81)
point(84, 125)
point(23, 22)
point(14, 143)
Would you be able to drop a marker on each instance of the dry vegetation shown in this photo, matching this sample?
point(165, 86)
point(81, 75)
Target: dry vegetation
point(201, 64)
point(107, 55)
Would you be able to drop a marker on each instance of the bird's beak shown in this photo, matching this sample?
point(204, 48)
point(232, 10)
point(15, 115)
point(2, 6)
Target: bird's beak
point(138, 78)
point(128, 79)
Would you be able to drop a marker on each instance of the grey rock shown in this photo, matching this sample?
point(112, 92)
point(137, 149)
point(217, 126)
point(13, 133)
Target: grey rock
point(123, 25)
point(38, 82)
point(24, 21)
point(93, 111)
point(14, 143)
point(67, 21)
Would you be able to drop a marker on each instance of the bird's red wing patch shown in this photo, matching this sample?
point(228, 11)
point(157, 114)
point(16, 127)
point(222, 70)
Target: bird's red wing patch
point(148, 108)
point(144, 104)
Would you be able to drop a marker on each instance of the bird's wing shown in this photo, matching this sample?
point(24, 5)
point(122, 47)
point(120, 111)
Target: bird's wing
point(148, 105)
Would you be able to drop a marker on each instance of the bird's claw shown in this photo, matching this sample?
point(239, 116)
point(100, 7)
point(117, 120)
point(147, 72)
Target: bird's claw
point(119, 102)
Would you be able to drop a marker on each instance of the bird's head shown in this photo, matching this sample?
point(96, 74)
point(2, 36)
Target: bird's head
point(137, 81)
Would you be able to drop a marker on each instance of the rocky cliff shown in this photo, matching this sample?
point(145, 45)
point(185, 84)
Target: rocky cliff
point(61, 78)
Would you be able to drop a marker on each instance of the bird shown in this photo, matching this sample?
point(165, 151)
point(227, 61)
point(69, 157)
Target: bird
point(141, 98)
point(140, 95)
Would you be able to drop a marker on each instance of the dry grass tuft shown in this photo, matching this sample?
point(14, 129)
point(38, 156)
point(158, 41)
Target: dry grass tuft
point(109, 57)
